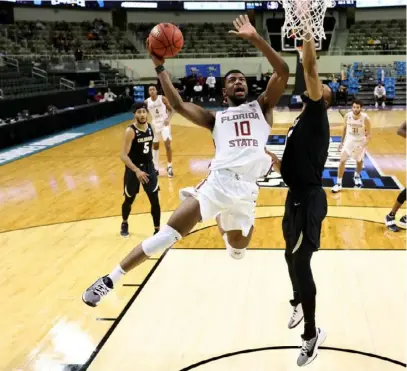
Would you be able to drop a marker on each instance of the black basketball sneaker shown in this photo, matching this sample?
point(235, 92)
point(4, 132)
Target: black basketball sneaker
point(124, 230)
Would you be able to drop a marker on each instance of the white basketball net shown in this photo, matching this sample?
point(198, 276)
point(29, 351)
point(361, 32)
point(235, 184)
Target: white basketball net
point(305, 18)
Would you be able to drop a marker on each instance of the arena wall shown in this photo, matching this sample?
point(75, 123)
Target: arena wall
point(376, 14)
point(54, 15)
point(252, 66)
point(181, 17)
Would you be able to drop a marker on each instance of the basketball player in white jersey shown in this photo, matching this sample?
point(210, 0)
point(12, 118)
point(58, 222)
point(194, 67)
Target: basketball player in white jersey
point(161, 112)
point(230, 191)
point(356, 135)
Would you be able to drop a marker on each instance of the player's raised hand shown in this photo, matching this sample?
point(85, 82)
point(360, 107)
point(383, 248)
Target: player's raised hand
point(157, 61)
point(244, 28)
point(142, 176)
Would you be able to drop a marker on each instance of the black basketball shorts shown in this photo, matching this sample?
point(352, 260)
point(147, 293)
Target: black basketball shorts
point(303, 218)
point(132, 184)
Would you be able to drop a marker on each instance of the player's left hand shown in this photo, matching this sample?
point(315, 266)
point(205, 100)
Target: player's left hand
point(244, 28)
point(273, 156)
point(276, 162)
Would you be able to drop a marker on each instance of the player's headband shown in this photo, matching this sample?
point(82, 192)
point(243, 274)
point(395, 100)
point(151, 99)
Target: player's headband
point(137, 106)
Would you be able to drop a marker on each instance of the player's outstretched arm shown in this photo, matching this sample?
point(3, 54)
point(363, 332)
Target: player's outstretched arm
point(402, 130)
point(190, 111)
point(278, 82)
point(309, 62)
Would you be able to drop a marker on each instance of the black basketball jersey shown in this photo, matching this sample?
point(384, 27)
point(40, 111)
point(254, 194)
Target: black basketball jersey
point(141, 147)
point(306, 148)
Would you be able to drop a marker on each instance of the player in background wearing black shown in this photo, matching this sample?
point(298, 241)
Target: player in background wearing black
point(390, 218)
point(301, 168)
point(137, 156)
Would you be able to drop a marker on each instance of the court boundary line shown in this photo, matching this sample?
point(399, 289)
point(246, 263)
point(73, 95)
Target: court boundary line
point(381, 173)
point(171, 211)
point(82, 131)
point(109, 332)
point(254, 350)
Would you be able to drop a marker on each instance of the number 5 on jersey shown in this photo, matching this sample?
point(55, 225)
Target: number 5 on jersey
point(146, 147)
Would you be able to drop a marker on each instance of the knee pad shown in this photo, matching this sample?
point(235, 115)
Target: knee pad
point(161, 241)
point(402, 197)
point(237, 254)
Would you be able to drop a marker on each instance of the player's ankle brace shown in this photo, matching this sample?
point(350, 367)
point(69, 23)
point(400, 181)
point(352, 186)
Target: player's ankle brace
point(232, 252)
point(161, 241)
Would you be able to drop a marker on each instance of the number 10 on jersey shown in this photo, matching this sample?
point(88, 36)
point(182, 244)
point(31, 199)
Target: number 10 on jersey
point(242, 128)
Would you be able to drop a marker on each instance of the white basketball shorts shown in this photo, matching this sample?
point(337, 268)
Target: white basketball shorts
point(355, 149)
point(226, 194)
point(161, 131)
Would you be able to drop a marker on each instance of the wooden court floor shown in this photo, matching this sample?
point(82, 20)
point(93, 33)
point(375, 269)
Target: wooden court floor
point(60, 231)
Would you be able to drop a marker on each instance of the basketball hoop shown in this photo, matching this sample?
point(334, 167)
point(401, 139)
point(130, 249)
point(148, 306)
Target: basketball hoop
point(305, 18)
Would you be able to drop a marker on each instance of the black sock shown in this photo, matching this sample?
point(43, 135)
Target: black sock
point(392, 214)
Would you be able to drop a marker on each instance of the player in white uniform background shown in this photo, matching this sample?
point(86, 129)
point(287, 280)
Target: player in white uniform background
point(161, 112)
point(230, 191)
point(356, 136)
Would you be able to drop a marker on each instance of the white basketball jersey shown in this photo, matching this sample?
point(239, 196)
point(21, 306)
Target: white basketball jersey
point(240, 135)
point(157, 109)
point(355, 128)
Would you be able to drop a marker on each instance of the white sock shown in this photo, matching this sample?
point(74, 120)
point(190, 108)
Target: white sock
point(170, 164)
point(156, 155)
point(339, 181)
point(117, 273)
point(356, 175)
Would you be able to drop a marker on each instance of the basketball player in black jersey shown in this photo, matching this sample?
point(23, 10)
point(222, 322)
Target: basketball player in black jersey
point(137, 156)
point(301, 168)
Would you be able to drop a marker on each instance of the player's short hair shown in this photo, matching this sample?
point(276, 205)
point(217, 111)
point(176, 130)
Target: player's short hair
point(136, 106)
point(232, 71)
point(358, 102)
point(152, 86)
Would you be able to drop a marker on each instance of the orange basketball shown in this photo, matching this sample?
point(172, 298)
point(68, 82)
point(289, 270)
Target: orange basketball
point(166, 40)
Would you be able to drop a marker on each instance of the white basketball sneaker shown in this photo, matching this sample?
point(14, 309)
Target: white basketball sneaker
point(358, 181)
point(309, 349)
point(337, 188)
point(296, 317)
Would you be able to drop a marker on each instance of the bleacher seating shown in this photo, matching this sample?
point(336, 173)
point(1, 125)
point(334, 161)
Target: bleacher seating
point(384, 36)
point(63, 38)
point(390, 86)
point(200, 39)
point(15, 83)
point(400, 68)
point(362, 79)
